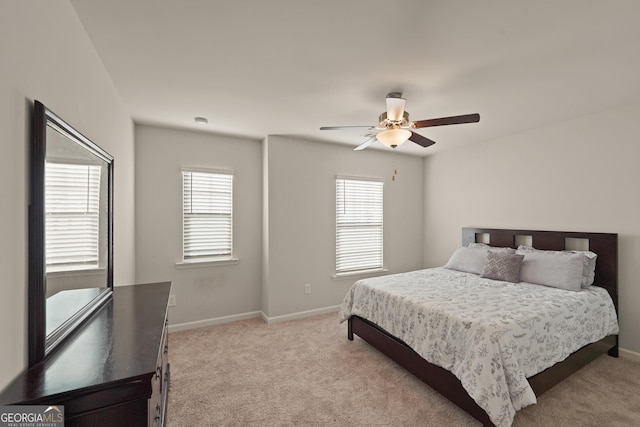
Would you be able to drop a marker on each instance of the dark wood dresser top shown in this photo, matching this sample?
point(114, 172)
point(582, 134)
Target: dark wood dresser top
point(119, 343)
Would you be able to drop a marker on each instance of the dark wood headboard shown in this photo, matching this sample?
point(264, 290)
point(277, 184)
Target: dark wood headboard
point(605, 245)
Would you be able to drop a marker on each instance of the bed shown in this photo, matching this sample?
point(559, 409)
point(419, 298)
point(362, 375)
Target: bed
point(408, 352)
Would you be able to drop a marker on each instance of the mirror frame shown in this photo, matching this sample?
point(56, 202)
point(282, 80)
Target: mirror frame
point(39, 343)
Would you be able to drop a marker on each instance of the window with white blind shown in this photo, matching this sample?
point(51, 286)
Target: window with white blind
point(72, 215)
point(359, 220)
point(207, 216)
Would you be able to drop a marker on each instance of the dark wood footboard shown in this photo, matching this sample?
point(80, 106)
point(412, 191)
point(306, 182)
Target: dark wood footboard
point(449, 385)
point(546, 379)
point(436, 377)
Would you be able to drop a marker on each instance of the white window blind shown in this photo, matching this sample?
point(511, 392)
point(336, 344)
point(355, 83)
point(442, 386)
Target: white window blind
point(207, 215)
point(72, 204)
point(359, 220)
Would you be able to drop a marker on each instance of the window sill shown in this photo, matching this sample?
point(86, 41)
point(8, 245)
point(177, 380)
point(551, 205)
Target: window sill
point(207, 262)
point(359, 274)
point(80, 271)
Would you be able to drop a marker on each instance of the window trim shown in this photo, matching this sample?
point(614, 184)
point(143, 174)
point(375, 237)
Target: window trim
point(210, 260)
point(372, 270)
point(359, 273)
point(206, 262)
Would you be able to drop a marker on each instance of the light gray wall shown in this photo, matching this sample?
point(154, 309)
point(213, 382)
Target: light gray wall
point(578, 175)
point(300, 220)
point(291, 182)
point(205, 292)
point(46, 55)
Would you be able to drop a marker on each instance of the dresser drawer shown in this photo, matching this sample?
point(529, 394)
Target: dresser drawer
point(160, 383)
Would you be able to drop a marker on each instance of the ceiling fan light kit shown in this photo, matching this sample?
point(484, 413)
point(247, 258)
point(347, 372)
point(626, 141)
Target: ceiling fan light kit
point(393, 137)
point(395, 107)
point(394, 126)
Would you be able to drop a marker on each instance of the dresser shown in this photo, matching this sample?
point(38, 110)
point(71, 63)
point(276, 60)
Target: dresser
point(114, 371)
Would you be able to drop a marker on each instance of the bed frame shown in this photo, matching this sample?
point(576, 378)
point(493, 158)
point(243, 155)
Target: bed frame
point(606, 276)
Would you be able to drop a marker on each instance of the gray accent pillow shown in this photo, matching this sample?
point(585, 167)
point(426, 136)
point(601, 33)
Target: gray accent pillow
point(502, 266)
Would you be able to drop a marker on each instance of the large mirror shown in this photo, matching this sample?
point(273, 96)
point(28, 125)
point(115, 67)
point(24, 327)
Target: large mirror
point(70, 231)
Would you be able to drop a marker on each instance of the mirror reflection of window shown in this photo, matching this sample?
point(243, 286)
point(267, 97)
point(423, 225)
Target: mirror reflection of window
point(70, 231)
point(72, 212)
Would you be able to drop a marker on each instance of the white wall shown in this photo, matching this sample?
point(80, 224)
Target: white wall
point(578, 175)
point(202, 293)
point(46, 55)
point(300, 219)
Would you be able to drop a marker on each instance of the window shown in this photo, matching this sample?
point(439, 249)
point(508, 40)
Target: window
point(359, 214)
point(72, 217)
point(207, 216)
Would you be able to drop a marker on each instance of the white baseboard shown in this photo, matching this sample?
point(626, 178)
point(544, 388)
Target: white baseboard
point(215, 321)
point(299, 314)
point(251, 315)
point(629, 355)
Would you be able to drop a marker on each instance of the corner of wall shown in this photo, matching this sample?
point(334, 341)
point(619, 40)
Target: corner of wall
point(264, 288)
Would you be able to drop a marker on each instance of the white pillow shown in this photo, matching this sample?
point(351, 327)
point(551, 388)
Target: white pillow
point(469, 260)
point(495, 249)
point(473, 258)
point(588, 262)
point(589, 268)
point(550, 268)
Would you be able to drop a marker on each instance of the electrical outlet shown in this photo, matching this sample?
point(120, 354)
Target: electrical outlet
point(172, 300)
point(307, 289)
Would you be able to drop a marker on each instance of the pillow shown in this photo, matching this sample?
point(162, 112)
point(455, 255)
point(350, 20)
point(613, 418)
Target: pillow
point(472, 258)
point(552, 269)
point(492, 248)
point(469, 260)
point(588, 262)
point(588, 267)
point(502, 266)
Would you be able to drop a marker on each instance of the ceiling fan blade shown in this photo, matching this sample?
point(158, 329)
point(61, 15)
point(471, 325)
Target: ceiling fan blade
point(395, 108)
point(420, 140)
point(343, 127)
point(365, 144)
point(453, 120)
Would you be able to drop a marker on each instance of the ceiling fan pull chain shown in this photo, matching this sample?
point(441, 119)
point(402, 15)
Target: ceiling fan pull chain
point(395, 171)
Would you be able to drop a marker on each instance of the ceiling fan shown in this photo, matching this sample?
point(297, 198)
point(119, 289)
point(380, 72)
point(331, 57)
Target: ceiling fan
point(394, 127)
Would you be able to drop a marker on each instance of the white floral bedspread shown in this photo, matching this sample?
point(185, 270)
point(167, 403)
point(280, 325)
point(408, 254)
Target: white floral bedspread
point(492, 335)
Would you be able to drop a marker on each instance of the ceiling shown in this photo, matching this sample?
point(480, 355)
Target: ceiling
point(286, 67)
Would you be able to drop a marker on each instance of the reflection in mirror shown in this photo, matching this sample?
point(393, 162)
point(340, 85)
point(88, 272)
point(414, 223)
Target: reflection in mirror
point(70, 231)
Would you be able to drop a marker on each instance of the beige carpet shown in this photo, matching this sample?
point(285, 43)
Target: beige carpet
point(306, 373)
